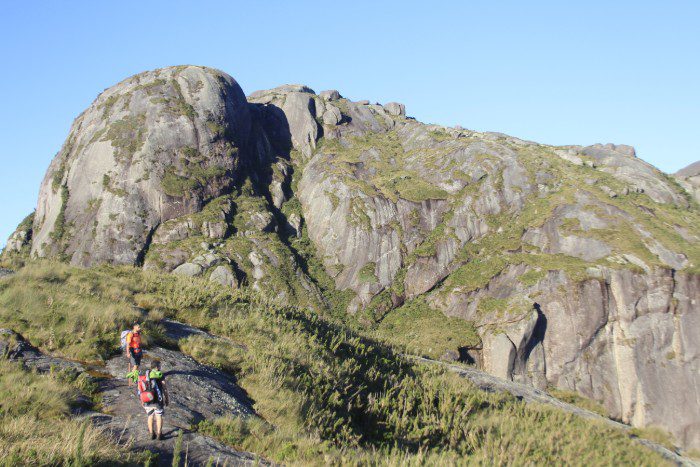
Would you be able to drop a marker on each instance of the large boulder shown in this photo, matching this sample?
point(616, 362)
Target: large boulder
point(499, 355)
point(188, 270)
point(298, 104)
point(689, 178)
point(395, 108)
point(224, 276)
point(332, 116)
point(331, 95)
point(151, 148)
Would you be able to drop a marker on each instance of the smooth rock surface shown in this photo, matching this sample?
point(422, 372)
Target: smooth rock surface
point(120, 172)
point(224, 276)
point(394, 108)
point(188, 269)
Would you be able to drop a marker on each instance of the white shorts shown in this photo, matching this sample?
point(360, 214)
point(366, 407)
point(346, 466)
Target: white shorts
point(153, 409)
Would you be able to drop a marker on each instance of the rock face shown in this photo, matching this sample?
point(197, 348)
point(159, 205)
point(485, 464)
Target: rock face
point(577, 265)
point(618, 338)
point(152, 148)
point(689, 178)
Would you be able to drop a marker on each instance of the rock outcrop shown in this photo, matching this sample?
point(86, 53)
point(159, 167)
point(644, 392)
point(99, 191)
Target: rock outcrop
point(577, 265)
point(689, 178)
point(618, 337)
point(152, 148)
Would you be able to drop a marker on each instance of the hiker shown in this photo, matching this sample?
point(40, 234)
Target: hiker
point(153, 394)
point(133, 348)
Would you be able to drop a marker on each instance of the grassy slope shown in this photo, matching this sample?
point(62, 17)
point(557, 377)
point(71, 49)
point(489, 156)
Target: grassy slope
point(36, 427)
point(325, 394)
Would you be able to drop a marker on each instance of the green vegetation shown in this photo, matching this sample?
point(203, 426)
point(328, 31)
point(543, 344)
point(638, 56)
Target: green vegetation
point(335, 201)
point(429, 246)
point(440, 135)
point(27, 222)
point(60, 227)
point(407, 185)
point(336, 300)
point(151, 86)
point(358, 214)
point(655, 434)
point(367, 274)
point(127, 136)
point(108, 104)
point(36, 427)
point(179, 106)
point(474, 274)
point(57, 178)
point(662, 221)
point(532, 277)
point(418, 329)
point(332, 390)
point(215, 128)
point(183, 108)
point(580, 401)
point(195, 178)
point(192, 172)
point(73, 315)
point(383, 153)
point(324, 393)
point(108, 186)
point(17, 259)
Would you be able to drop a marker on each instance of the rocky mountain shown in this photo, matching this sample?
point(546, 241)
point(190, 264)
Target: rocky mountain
point(578, 266)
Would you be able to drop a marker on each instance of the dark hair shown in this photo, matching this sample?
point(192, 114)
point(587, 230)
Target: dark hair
point(155, 365)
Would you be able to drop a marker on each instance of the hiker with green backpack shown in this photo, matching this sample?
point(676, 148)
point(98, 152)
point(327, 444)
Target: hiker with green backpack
point(153, 394)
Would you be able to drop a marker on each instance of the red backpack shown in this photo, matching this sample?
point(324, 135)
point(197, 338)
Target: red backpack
point(145, 388)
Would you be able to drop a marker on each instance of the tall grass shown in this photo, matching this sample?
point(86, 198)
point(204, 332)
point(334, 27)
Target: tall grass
point(177, 450)
point(325, 394)
point(74, 315)
point(35, 423)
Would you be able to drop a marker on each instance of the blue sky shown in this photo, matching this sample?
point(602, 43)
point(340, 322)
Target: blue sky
point(552, 72)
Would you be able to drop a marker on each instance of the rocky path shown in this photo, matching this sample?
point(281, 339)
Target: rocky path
point(530, 394)
point(197, 392)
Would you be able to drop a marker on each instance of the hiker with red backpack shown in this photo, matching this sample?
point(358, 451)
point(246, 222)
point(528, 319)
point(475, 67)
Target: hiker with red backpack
point(153, 395)
point(131, 344)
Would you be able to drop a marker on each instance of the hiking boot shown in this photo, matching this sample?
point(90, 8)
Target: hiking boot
point(153, 436)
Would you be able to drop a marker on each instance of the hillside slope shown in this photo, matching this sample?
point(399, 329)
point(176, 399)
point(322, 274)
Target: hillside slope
point(321, 393)
point(577, 267)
